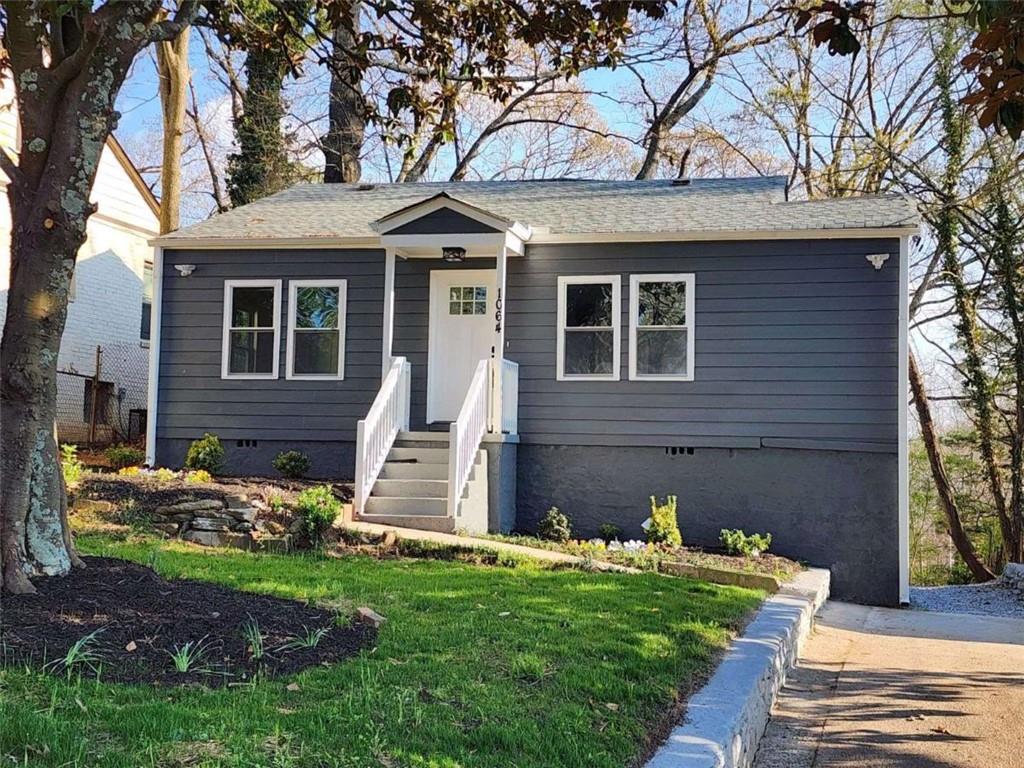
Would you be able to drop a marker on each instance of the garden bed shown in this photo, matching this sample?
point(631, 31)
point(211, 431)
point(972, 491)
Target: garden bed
point(135, 620)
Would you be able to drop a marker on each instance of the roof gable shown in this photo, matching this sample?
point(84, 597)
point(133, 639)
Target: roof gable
point(438, 215)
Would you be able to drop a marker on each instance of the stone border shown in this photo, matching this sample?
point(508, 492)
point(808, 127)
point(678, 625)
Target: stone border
point(727, 576)
point(725, 720)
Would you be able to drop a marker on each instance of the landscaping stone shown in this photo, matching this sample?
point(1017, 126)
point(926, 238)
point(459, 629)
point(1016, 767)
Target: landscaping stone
point(272, 527)
point(218, 539)
point(236, 502)
point(278, 545)
point(1013, 576)
point(171, 529)
point(210, 524)
point(190, 506)
point(245, 514)
point(94, 505)
point(369, 616)
point(723, 576)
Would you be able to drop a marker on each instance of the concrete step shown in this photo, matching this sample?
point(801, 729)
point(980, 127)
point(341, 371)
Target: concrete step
point(420, 455)
point(421, 523)
point(424, 437)
point(416, 506)
point(412, 488)
point(411, 470)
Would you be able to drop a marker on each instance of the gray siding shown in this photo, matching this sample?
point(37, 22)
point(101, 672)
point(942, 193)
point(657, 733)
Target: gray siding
point(443, 221)
point(796, 345)
point(193, 398)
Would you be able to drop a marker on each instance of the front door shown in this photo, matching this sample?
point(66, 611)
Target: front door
point(461, 335)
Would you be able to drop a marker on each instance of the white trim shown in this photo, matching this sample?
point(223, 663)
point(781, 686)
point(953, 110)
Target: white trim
point(616, 283)
point(416, 211)
point(689, 279)
point(388, 326)
point(541, 237)
point(225, 349)
point(430, 245)
point(155, 310)
point(293, 288)
point(903, 448)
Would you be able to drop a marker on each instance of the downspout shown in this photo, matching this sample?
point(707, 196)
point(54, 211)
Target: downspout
point(903, 447)
point(155, 312)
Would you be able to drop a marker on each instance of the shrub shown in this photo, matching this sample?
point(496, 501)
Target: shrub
point(736, 542)
point(164, 475)
point(664, 528)
point(71, 465)
point(609, 532)
point(554, 526)
point(121, 456)
point(198, 476)
point(318, 508)
point(205, 453)
point(292, 463)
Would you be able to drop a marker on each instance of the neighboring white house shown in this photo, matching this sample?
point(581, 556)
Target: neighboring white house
point(111, 290)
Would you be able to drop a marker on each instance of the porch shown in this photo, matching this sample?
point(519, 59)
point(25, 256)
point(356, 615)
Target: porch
point(436, 450)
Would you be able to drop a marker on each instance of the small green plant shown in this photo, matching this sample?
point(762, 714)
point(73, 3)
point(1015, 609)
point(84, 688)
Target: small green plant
point(736, 542)
point(609, 532)
point(71, 465)
point(198, 476)
point(254, 639)
point(189, 657)
point(292, 464)
point(83, 653)
point(121, 456)
point(164, 475)
point(554, 526)
point(130, 513)
point(318, 508)
point(664, 528)
point(309, 638)
point(205, 453)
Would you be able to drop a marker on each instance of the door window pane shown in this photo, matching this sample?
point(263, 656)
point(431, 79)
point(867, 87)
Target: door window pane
point(467, 300)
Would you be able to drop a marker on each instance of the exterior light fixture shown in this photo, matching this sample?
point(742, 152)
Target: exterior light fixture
point(185, 269)
point(453, 254)
point(877, 259)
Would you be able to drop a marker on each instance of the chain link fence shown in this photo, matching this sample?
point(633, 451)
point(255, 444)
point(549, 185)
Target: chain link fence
point(105, 405)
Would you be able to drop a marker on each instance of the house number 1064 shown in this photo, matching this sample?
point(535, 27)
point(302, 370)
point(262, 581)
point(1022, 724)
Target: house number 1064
point(497, 313)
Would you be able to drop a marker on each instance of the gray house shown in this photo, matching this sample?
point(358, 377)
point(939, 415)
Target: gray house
point(474, 353)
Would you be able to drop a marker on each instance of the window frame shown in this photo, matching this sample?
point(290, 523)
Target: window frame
point(690, 280)
point(147, 305)
point(293, 290)
point(229, 297)
point(564, 281)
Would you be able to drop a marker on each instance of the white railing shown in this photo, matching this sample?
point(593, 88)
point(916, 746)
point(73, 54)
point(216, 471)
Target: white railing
point(375, 434)
point(466, 434)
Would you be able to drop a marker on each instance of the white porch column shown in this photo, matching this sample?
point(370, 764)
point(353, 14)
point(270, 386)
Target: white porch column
point(498, 348)
point(388, 326)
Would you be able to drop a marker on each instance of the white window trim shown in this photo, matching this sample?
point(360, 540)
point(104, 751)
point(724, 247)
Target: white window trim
point(293, 289)
point(616, 283)
point(225, 357)
point(634, 307)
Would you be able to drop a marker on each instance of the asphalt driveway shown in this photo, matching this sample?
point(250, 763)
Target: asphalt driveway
point(883, 687)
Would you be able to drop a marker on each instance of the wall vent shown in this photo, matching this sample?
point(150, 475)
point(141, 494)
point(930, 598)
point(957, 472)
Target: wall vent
point(678, 450)
point(246, 443)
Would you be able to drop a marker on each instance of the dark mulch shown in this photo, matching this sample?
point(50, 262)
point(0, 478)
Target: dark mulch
point(131, 604)
point(148, 493)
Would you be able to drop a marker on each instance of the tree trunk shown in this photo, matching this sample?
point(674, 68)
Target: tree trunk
point(172, 64)
point(346, 110)
point(946, 497)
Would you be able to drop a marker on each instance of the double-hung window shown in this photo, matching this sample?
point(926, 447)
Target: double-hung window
point(252, 329)
point(589, 308)
point(316, 322)
point(661, 327)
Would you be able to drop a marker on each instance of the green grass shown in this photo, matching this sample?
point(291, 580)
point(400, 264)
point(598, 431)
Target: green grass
point(476, 666)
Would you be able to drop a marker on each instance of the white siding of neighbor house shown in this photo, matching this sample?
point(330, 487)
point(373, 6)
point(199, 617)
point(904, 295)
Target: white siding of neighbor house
point(108, 285)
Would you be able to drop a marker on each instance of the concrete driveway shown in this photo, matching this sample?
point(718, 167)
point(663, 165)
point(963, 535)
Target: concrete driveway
point(883, 687)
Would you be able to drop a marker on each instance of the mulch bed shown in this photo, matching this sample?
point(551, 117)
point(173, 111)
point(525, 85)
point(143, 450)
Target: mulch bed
point(136, 608)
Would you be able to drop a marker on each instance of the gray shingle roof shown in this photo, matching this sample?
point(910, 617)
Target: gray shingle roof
point(562, 207)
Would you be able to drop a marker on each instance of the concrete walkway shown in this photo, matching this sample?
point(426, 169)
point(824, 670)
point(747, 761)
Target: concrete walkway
point(883, 687)
point(470, 542)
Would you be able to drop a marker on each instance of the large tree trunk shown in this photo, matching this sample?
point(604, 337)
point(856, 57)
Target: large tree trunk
point(65, 96)
point(946, 497)
point(346, 110)
point(172, 63)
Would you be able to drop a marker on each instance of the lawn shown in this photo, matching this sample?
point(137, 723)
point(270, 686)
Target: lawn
point(476, 666)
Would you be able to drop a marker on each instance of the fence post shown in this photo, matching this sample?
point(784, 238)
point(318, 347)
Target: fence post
point(95, 394)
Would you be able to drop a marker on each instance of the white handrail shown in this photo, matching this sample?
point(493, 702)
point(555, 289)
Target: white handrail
point(466, 434)
point(388, 415)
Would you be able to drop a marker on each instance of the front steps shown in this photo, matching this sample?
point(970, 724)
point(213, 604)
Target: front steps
point(412, 488)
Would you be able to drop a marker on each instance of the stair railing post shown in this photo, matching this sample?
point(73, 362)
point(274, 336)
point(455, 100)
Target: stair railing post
point(360, 496)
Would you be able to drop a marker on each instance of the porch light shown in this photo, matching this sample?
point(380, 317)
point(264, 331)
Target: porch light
point(453, 254)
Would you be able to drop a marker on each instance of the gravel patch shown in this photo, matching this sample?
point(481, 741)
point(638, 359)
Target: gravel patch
point(990, 599)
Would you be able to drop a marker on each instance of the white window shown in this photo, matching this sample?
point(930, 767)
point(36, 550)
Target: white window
point(661, 327)
point(316, 322)
point(252, 329)
point(589, 308)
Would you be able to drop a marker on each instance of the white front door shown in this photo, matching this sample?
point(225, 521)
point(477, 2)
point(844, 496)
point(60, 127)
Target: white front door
point(461, 335)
